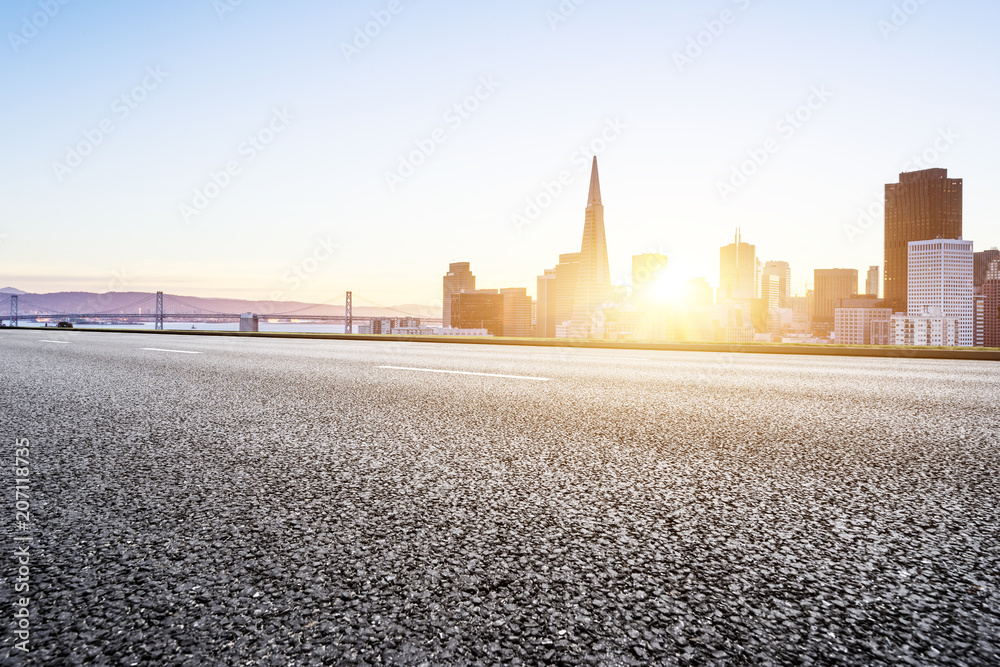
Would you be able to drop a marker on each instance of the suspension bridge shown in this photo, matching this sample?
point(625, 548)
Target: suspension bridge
point(159, 308)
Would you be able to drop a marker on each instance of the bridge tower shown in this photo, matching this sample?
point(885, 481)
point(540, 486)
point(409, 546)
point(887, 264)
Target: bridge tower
point(348, 315)
point(13, 310)
point(159, 312)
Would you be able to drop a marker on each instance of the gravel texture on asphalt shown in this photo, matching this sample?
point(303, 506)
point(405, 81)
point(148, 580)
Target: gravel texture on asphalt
point(291, 503)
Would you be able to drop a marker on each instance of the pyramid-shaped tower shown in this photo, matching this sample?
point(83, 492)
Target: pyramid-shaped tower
point(593, 280)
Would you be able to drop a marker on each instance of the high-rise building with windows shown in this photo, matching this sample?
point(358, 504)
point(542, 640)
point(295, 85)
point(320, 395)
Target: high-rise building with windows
point(593, 276)
point(737, 272)
point(783, 272)
point(923, 205)
point(991, 305)
point(980, 265)
point(458, 278)
point(566, 273)
point(516, 312)
point(830, 286)
point(939, 276)
point(545, 305)
point(478, 309)
point(871, 282)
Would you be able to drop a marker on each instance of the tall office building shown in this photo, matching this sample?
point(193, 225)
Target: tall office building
point(980, 265)
point(991, 306)
point(737, 272)
point(783, 273)
point(939, 275)
point(545, 305)
point(831, 285)
point(516, 312)
point(647, 269)
point(923, 205)
point(458, 278)
point(566, 272)
point(871, 282)
point(978, 320)
point(593, 279)
point(478, 309)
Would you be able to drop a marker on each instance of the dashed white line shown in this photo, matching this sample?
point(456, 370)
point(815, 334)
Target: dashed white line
point(160, 349)
point(492, 375)
point(57, 342)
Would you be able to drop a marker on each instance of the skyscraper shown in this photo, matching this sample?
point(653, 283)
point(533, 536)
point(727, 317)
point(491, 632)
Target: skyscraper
point(991, 307)
point(593, 279)
point(923, 205)
point(478, 309)
point(783, 272)
point(831, 285)
point(516, 312)
point(939, 276)
point(871, 282)
point(737, 272)
point(545, 314)
point(980, 265)
point(566, 272)
point(458, 278)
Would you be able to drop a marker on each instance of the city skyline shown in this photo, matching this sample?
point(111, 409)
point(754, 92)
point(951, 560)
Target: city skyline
point(312, 185)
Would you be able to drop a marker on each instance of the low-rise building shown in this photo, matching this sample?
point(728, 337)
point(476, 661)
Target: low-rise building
point(930, 328)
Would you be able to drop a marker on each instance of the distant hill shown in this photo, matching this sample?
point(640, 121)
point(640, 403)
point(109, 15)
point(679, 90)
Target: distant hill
point(131, 302)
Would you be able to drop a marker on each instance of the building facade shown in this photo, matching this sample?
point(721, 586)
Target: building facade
point(981, 262)
point(458, 278)
point(929, 328)
point(922, 205)
point(737, 272)
point(829, 287)
point(783, 272)
point(478, 309)
point(516, 313)
point(593, 278)
point(872, 282)
point(940, 276)
point(545, 305)
point(862, 321)
point(991, 306)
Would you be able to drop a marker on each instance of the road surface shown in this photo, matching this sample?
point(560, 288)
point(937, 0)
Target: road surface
point(201, 500)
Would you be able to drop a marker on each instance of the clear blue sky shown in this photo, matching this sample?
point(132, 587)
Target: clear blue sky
point(322, 180)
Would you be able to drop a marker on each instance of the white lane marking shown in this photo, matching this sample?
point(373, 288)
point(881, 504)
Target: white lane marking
point(492, 375)
point(160, 349)
point(57, 342)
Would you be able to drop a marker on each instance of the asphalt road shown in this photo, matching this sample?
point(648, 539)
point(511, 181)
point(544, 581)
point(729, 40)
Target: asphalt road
point(248, 501)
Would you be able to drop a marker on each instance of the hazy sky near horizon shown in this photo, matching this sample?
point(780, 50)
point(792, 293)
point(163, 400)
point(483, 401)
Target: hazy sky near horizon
point(117, 117)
